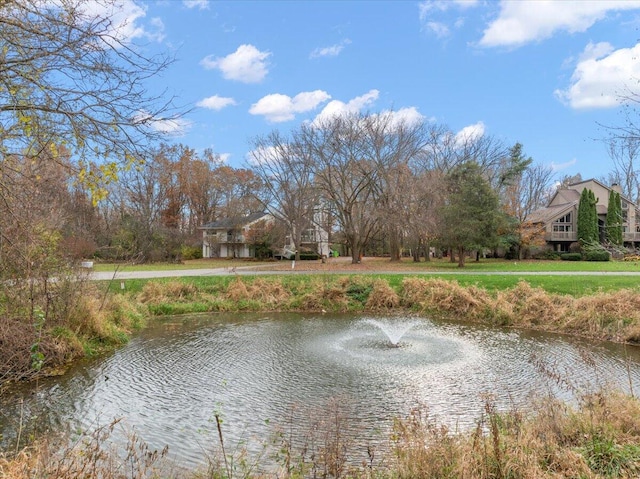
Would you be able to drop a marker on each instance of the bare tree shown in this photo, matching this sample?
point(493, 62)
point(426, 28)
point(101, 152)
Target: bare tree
point(625, 153)
point(286, 170)
point(69, 75)
point(417, 211)
point(347, 176)
point(529, 192)
point(393, 144)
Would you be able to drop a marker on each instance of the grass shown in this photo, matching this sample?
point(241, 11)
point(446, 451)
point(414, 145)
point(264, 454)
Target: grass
point(501, 265)
point(407, 265)
point(609, 314)
point(596, 439)
point(558, 284)
point(190, 264)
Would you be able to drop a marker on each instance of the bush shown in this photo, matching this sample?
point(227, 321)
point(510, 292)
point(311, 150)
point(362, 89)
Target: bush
point(548, 254)
point(597, 255)
point(575, 247)
point(571, 257)
point(191, 252)
point(309, 255)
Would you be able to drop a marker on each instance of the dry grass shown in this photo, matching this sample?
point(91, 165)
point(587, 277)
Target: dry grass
point(600, 439)
point(92, 321)
point(268, 292)
point(154, 292)
point(382, 297)
point(606, 315)
point(90, 456)
point(17, 339)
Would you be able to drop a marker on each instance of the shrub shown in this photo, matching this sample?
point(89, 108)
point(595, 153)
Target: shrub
point(548, 254)
point(571, 257)
point(191, 252)
point(575, 247)
point(309, 255)
point(597, 255)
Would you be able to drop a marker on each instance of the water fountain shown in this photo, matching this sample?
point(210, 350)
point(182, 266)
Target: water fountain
point(169, 381)
point(393, 329)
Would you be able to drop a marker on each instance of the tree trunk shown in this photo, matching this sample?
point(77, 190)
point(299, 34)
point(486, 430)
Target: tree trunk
point(461, 257)
point(452, 256)
point(394, 244)
point(356, 253)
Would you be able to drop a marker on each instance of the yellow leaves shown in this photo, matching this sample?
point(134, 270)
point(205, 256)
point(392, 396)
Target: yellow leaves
point(26, 123)
point(96, 179)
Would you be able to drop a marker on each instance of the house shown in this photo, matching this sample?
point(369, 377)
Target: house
point(227, 238)
point(558, 221)
point(315, 238)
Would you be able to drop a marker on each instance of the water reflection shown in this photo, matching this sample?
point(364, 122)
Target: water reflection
point(170, 380)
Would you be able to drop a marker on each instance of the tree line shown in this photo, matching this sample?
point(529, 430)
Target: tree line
point(84, 172)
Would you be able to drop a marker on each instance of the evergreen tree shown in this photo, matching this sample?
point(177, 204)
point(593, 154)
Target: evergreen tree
point(471, 216)
point(613, 225)
point(587, 218)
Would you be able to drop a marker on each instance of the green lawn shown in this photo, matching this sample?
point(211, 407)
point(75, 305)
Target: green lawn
point(527, 265)
point(571, 285)
point(191, 264)
point(484, 265)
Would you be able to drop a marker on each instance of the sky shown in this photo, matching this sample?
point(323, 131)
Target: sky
point(551, 75)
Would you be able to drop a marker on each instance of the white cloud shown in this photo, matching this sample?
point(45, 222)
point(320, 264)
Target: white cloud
point(264, 155)
point(247, 64)
point(563, 166)
point(336, 107)
point(470, 133)
point(278, 108)
point(521, 22)
point(405, 116)
point(199, 4)
point(601, 76)
point(169, 126)
point(440, 29)
point(435, 19)
point(332, 51)
point(216, 102)
point(224, 157)
point(125, 20)
point(426, 8)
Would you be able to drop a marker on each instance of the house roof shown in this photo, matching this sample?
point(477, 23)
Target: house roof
point(564, 196)
point(565, 199)
point(234, 222)
point(548, 214)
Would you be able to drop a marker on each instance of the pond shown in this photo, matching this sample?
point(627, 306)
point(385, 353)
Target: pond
point(261, 372)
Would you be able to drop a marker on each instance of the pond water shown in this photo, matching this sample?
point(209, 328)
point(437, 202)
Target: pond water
point(261, 372)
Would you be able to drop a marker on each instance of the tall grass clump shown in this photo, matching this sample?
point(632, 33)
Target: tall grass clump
point(91, 455)
point(86, 321)
point(597, 439)
point(604, 315)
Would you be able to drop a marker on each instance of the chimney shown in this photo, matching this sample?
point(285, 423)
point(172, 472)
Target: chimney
point(616, 187)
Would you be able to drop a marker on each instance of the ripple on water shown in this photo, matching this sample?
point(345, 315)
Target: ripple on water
point(290, 370)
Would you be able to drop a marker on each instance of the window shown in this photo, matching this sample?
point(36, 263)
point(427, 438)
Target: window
point(563, 224)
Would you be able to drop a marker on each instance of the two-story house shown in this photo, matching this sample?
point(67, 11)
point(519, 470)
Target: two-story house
point(228, 238)
point(559, 220)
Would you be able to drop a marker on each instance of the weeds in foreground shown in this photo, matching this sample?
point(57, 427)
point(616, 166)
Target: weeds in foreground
point(90, 456)
point(598, 438)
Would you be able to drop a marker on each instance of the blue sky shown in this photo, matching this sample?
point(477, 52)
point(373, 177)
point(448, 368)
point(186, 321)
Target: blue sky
point(544, 73)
